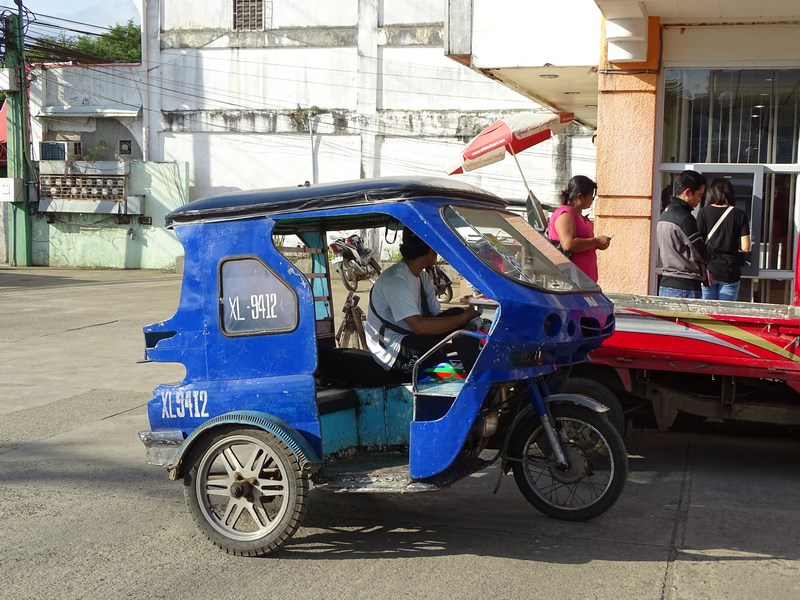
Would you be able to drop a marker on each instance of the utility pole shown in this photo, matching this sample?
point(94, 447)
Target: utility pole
point(20, 234)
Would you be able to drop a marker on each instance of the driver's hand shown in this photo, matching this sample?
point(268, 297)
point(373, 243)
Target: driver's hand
point(470, 313)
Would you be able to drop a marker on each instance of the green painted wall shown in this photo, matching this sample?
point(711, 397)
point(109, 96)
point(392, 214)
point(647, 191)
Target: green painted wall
point(95, 241)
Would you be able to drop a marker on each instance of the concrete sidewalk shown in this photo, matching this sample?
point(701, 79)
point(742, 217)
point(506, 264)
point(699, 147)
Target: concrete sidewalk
point(83, 516)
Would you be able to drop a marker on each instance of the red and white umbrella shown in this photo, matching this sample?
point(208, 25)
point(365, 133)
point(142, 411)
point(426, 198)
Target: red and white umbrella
point(513, 135)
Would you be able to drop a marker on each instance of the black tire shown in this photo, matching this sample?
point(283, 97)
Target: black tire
point(444, 296)
point(250, 500)
point(375, 266)
point(349, 277)
point(603, 394)
point(598, 464)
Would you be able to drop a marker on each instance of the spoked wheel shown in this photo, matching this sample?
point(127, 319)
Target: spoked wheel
point(245, 490)
point(444, 296)
point(351, 332)
point(349, 277)
point(597, 464)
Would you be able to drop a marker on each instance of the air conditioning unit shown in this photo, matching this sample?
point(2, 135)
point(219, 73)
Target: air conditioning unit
point(60, 150)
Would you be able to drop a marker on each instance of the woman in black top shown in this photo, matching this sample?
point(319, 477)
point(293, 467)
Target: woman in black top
point(727, 243)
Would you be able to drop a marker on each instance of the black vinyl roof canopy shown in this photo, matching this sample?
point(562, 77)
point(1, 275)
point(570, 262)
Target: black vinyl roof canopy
point(299, 199)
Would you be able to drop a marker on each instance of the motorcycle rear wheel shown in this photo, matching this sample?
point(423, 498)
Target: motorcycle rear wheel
point(349, 276)
point(444, 295)
point(598, 464)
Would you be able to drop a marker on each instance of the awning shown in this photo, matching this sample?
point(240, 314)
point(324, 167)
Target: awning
point(83, 111)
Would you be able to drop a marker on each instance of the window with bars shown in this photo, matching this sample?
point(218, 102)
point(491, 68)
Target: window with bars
point(252, 15)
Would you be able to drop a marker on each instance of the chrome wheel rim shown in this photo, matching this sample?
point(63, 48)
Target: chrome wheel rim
point(242, 488)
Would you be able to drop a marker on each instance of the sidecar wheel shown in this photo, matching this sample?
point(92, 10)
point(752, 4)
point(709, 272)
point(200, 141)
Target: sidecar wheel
point(245, 491)
point(597, 471)
point(349, 276)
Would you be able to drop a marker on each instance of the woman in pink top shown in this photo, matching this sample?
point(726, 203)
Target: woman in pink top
point(573, 230)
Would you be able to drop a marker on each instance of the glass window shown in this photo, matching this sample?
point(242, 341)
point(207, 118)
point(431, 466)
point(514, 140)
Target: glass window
point(731, 116)
point(253, 299)
point(509, 245)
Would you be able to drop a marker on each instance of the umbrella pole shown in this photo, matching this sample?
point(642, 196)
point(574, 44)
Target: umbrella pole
point(533, 207)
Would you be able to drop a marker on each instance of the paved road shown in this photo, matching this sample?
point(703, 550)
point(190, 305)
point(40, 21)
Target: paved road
point(82, 515)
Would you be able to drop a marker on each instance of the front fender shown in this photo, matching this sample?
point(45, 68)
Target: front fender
point(293, 439)
point(578, 399)
point(529, 412)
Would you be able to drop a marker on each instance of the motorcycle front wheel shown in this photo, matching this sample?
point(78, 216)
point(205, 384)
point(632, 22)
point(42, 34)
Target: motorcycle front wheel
point(349, 275)
point(597, 464)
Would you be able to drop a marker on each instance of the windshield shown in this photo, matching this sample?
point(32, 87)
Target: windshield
point(509, 245)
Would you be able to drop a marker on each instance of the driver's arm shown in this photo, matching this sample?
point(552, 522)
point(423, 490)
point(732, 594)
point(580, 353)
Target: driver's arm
point(439, 325)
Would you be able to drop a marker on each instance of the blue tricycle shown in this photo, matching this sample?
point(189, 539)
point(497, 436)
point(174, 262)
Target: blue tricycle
point(270, 406)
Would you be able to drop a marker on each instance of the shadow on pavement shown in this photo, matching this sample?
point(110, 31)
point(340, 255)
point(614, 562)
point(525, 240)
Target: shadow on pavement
point(15, 279)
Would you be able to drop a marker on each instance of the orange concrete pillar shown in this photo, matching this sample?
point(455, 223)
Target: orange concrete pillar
point(626, 131)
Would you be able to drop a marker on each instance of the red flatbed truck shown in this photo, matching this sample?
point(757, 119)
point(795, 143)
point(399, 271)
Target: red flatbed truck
point(714, 359)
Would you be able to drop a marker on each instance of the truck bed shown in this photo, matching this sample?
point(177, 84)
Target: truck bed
point(704, 336)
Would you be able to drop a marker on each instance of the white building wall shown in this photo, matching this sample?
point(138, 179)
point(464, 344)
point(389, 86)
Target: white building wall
point(732, 45)
point(566, 33)
point(421, 78)
point(394, 12)
point(218, 14)
point(313, 13)
point(224, 163)
point(205, 14)
point(257, 78)
point(369, 77)
point(78, 87)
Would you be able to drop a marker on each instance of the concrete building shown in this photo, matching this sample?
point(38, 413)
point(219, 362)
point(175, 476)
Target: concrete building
point(99, 203)
point(264, 93)
point(708, 85)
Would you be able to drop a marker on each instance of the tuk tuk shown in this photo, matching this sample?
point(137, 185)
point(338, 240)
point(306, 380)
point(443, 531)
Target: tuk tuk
point(270, 406)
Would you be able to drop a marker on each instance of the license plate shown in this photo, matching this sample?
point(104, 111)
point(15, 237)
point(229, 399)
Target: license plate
point(337, 259)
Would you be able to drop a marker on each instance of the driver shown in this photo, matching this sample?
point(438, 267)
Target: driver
point(405, 319)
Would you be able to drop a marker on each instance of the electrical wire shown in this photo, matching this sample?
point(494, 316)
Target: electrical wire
point(216, 127)
point(183, 91)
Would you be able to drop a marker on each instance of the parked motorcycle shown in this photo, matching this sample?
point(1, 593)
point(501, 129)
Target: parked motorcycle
point(441, 283)
point(354, 261)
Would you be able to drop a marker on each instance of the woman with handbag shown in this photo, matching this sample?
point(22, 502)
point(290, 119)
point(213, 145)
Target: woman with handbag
point(726, 231)
point(574, 232)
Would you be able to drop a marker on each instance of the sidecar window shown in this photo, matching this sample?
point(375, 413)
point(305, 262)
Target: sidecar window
point(509, 245)
point(253, 299)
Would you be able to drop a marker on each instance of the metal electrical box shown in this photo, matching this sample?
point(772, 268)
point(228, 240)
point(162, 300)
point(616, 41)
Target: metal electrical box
point(11, 190)
point(9, 80)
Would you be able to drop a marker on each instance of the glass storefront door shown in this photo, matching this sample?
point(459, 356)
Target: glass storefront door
point(768, 200)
